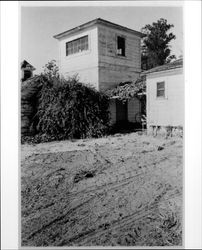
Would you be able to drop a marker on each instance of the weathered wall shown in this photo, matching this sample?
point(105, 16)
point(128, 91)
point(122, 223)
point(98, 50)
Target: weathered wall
point(84, 63)
point(134, 108)
point(28, 92)
point(169, 110)
point(100, 65)
point(112, 110)
point(26, 115)
point(113, 68)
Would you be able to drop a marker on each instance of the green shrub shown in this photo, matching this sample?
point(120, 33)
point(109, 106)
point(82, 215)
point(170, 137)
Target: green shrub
point(68, 109)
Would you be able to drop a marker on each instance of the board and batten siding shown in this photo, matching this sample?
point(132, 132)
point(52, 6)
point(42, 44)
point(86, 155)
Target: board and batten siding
point(100, 66)
point(112, 110)
point(113, 68)
point(168, 111)
point(85, 63)
point(134, 108)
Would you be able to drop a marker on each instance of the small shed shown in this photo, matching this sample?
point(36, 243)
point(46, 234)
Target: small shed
point(165, 95)
point(26, 70)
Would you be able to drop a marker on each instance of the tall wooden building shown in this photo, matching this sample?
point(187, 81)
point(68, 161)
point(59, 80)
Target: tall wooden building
point(103, 54)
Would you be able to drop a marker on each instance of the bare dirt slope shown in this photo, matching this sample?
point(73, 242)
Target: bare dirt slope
point(122, 190)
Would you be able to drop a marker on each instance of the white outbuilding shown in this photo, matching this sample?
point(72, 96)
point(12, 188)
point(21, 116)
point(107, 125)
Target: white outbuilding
point(165, 96)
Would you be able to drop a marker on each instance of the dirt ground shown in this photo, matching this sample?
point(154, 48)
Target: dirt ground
point(123, 190)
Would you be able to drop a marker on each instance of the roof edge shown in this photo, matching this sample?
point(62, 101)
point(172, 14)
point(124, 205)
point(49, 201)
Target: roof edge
point(94, 22)
point(165, 67)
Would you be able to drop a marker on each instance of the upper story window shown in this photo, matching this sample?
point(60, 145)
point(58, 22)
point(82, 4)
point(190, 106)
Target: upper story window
point(120, 46)
point(77, 45)
point(160, 89)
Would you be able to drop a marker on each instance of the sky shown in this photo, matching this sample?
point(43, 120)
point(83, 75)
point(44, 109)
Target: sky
point(40, 24)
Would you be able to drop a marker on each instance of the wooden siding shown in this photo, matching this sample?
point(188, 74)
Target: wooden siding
point(109, 79)
point(107, 39)
point(121, 111)
point(169, 110)
point(134, 107)
point(85, 63)
point(114, 69)
point(112, 110)
point(100, 65)
point(28, 106)
point(26, 115)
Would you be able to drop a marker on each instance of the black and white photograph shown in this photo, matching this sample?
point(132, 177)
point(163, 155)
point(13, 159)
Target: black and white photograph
point(101, 125)
point(102, 120)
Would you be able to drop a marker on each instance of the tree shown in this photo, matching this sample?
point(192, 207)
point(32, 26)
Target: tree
point(51, 70)
point(155, 48)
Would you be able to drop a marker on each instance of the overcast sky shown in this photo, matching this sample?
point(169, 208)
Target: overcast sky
point(39, 24)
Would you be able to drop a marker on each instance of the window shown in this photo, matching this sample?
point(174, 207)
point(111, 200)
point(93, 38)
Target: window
point(77, 45)
point(27, 74)
point(120, 46)
point(160, 89)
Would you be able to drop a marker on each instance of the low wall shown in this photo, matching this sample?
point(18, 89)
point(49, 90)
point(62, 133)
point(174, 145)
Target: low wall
point(165, 130)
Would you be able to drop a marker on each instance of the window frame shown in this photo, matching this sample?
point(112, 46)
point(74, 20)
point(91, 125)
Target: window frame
point(74, 48)
point(160, 89)
point(123, 37)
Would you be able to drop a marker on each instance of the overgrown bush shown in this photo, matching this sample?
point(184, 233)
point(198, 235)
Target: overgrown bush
point(68, 109)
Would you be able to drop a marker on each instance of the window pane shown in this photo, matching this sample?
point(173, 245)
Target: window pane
point(85, 46)
point(160, 85)
point(160, 93)
point(82, 47)
point(77, 45)
point(75, 48)
point(66, 49)
point(160, 89)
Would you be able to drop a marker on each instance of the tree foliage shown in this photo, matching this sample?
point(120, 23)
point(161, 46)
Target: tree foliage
point(69, 109)
point(127, 90)
point(64, 109)
point(51, 70)
point(156, 44)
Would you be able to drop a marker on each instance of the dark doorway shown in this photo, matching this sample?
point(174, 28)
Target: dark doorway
point(121, 111)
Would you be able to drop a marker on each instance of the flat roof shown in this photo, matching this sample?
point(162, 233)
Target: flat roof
point(168, 66)
point(95, 22)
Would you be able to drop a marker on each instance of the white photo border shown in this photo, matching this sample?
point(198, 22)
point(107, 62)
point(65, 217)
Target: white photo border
point(10, 160)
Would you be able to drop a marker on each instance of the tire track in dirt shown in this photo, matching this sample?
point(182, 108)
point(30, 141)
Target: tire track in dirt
point(90, 194)
point(96, 191)
point(116, 184)
point(62, 219)
point(129, 219)
point(58, 219)
point(109, 186)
